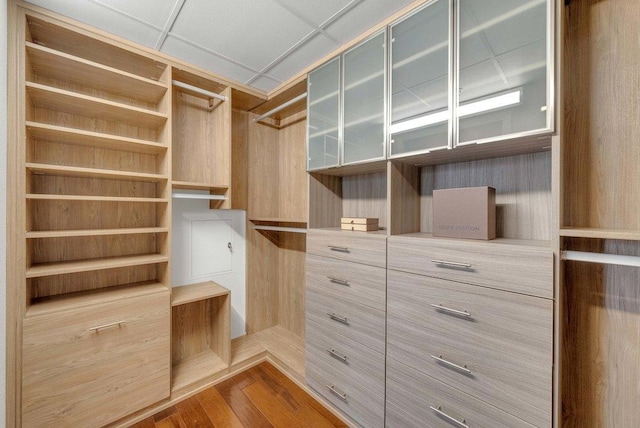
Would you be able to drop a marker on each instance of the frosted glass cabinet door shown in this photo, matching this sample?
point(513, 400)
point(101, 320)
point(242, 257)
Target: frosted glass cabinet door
point(420, 80)
point(323, 98)
point(364, 101)
point(503, 69)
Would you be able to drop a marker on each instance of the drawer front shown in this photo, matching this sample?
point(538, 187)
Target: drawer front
point(517, 268)
point(503, 349)
point(368, 250)
point(350, 281)
point(76, 376)
point(413, 396)
point(356, 401)
point(349, 359)
point(356, 322)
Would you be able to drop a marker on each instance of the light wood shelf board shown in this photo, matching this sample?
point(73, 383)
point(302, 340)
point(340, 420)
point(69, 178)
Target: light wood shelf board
point(50, 98)
point(50, 269)
point(280, 225)
point(597, 233)
point(381, 233)
point(246, 350)
point(356, 169)
point(65, 67)
point(279, 222)
point(184, 294)
point(497, 241)
point(188, 185)
point(95, 232)
point(49, 197)
point(64, 135)
point(65, 302)
point(285, 347)
point(73, 171)
point(195, 368)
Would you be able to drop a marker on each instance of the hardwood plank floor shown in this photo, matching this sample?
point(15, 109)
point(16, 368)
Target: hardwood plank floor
point(258, 397)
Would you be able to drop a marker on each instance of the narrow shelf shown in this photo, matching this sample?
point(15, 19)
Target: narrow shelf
point(95, 232)
point(50, 269)
point(189, 185)
point(50, 197)
point(497, 241)
point(280, 225)
point(598, 233)
point(65, 67)
point(63, 302)
point(194, 368)
point(184, 294)
point(79, 137)
point(177, 195)
point(74, 171)
point(83, 105)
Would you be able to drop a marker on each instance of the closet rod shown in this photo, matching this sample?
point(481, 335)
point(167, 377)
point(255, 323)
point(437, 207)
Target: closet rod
point(280, 107)
point(198, 196)
point(610, 259)
point(204, 92)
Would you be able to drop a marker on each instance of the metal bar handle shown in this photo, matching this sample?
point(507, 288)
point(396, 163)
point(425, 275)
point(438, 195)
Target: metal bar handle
point(340, 249)
point(338, 280)
point(451, 419)
point(340, 395)
point(450, 364)
point(111, 324)
point(338, 318)
point(453, 311)
point(334, 354)
point(454, 264)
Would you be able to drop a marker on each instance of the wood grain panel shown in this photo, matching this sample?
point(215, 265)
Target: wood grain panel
point(291, 281)
point(404, 198)
point(262, 282)
point(523, 192)
point(264, 185)
point(356, 247)
point(325, 201)
point(239, 160)
point(292, 175)
point(58, 185)
point(365, 196)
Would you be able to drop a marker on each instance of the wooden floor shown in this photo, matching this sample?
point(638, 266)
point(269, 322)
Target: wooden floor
point(258, 397)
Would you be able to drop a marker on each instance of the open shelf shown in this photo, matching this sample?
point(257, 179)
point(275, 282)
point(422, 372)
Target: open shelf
point(50, 98)
point(73, 171)
point(195, 292)
point(189, 185)
point(180, 195)
point(95, 232)
point(50, 269)
point(280, 225)
point(196, 367)
point(69, 68)
point(50, 197)
point(64, 135)
point(597, 233)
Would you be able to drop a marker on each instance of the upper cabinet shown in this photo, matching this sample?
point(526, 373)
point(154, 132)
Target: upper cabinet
point(504, 69)
point(323, 96)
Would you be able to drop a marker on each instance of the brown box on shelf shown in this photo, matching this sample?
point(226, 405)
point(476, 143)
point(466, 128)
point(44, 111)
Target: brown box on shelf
point(360, 224)
point(468, 212)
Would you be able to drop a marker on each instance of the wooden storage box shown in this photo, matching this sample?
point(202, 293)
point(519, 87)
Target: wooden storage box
point(465, 213)
point(361, 224)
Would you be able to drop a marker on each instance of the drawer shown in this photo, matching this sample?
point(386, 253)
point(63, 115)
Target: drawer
point(357, 247)
point(413, 396)
point(75, 376)
point(349, 359)
point(356, 401)
point(351, 281)
point(504, 347)
point(518, 268)
point(354, 321)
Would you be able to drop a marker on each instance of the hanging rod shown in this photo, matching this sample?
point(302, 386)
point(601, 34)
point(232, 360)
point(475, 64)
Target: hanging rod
point(280, 107)
point(204, 92)
point(198, 196)
point(609, 259)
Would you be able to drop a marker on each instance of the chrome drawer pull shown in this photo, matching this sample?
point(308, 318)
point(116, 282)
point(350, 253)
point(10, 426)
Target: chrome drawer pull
point(451, 419)
point(453, 311)
point(112, 324)
point(450, 364)
point(334, 391)
point(452, 264)
point(338, 318)
point(338, 280)
point(334, 354)
point(340, 249)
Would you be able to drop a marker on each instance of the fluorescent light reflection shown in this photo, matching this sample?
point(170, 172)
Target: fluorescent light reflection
point(482, 106)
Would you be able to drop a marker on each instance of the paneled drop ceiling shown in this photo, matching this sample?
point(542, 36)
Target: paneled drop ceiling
point(261, 43)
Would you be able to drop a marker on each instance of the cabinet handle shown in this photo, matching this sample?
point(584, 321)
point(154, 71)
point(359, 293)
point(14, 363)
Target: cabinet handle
point(334, 391)
point(338, 318)
point(340, 249)
point(334, 354)
point(453, 311)
point(450, 364)
point(338, 280)
point(452, 264)
point(451, 419)
point(103, 326)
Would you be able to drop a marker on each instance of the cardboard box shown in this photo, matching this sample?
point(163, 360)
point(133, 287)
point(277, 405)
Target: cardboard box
point(468, 213)
point(360, 224)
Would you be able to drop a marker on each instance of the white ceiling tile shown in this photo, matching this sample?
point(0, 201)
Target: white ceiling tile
point(252, 32)
point(315, 48)
point(100, 17)
point(204, 59)
point(316, 11)
point(265, 83)
point(155, 12)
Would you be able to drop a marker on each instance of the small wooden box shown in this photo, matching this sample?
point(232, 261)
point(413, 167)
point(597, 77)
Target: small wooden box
point(360, 224)
point(465, 213)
